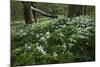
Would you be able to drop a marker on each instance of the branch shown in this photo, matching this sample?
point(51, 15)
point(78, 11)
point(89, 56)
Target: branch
point(40, 11)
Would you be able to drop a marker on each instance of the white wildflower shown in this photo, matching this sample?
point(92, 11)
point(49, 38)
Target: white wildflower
point(61, 34)
point(37, 35)
point(64, 45)
point(40, 48)
point(48, 34)
point(55, 54)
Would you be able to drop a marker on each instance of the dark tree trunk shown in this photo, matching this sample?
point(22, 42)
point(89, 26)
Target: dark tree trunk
point(75, 10)
point(33, 4)
point(27, 12)
point(84, 10)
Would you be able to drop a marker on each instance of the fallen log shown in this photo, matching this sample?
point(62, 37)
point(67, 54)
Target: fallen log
point(43, 13)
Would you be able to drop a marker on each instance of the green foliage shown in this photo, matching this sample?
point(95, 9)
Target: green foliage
point(53, 41)
point(16, 11)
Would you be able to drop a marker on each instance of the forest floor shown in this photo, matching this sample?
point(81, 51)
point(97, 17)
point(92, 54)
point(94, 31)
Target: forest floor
point(37, 42)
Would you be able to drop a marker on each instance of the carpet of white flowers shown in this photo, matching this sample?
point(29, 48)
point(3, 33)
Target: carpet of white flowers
point(53, 41)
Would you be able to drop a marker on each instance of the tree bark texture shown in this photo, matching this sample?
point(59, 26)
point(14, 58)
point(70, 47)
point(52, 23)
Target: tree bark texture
point(27, 12)
point(33, 4)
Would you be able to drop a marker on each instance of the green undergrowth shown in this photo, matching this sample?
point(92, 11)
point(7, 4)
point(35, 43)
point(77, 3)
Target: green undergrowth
point(53, 41)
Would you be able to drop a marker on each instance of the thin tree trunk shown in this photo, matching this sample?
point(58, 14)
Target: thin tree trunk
point(27, 12)
point(33, 4)
point(84, 10)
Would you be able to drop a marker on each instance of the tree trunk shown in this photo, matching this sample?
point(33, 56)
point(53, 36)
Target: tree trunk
point(75, 10)
point(33, 4)
point(27, 12)
point(84, 10)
